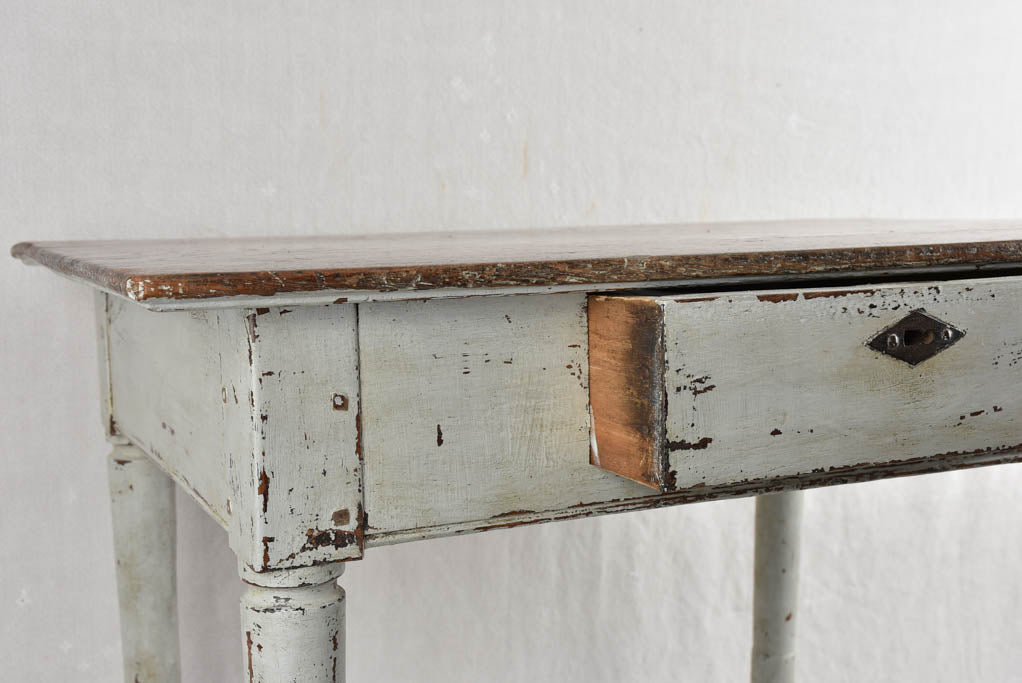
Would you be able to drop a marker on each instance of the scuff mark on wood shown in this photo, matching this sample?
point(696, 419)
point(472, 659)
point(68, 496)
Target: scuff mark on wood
point(336, 538)
point(513, 513)
point(267, 540)
point(778, 297)
point(341, 517)
point(358, 434)
point(248, 642)
point(697, 390)
point(683, 445)
point(697, 299)
point(264, 489)
point(838, 293)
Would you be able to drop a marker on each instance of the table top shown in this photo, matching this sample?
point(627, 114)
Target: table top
point(179, 270)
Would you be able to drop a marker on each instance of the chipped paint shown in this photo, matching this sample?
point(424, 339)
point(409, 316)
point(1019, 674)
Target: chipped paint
point(341, 517)
point(683, 445)
point(940, 462)
point(812, 342)
point(834, 293)
point(778, 297)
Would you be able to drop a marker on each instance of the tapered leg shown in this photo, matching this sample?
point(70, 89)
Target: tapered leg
point(142, 499)
point(293, 634)
point(778, 531)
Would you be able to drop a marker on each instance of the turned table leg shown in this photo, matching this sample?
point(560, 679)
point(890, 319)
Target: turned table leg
point(142, 501)
point(775, 593)
point(294, 634)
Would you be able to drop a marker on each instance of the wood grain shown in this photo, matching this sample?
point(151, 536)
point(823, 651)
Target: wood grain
point(151, 271)
point(626, 374)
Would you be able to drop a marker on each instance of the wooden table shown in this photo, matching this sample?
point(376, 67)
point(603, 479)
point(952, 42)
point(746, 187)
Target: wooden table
point(320, 396)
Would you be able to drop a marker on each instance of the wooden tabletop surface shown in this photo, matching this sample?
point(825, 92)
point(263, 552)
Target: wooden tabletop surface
point(205, 269)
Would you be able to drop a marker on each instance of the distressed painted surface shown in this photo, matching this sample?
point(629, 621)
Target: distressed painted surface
point(142, 504)
point(256, 413)
point(166, 395)
point(475, 416)
point(306, 427)
point(779, 384)
point(293, 635)
point(477, 410)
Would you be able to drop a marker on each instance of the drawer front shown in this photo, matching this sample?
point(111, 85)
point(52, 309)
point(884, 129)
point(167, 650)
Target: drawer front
point(725, 389)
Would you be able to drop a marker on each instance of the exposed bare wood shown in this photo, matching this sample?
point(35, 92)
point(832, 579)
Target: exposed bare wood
point(505, 380)
point(188, 270)
point(762, 385)
point(626, 374)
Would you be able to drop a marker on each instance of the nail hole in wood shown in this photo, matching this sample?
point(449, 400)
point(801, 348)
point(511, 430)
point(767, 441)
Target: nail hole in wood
point(340, 402)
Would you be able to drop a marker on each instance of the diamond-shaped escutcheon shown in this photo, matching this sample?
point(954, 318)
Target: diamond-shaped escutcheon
point(916, 337)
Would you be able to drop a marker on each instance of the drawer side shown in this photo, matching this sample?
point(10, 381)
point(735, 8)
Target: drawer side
point(626, 387)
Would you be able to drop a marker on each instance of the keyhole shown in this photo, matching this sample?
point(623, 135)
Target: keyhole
point(917, 336)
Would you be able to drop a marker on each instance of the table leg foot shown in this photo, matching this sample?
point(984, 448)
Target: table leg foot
point(293, 634)
point(775, 593)
point(142, 502)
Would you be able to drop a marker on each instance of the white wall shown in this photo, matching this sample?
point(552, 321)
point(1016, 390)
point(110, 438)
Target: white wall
point(158, 119)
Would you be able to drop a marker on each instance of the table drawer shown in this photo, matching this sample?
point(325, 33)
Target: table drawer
point(692, 390)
